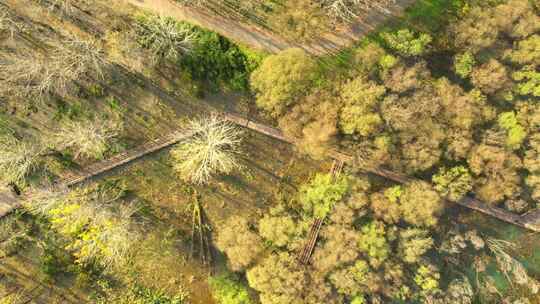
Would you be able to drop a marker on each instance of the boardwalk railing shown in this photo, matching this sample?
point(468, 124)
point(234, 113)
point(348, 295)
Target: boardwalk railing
point(9, 202)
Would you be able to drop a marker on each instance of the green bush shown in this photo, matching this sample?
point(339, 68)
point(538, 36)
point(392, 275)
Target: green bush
point(219, 62)
point(227, 290)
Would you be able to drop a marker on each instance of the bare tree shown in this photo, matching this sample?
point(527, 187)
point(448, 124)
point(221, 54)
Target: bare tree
point(348, 10)
point(88, 138)
point(212, 149)
point(165, 37)
point(39, 76)
point(18, 158)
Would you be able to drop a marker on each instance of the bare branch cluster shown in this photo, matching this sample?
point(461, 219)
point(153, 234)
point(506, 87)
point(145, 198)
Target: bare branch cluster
point(37, 77)
point(164, 37)
point(348, 10)
point(212, 149)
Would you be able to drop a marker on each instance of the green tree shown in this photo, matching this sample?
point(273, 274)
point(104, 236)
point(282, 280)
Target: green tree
point(427, 278)
point(279, 230)
point(421, 204)
point(526, 51)
point(97, 231)
point(490, 77)
point(453, 183)
point(227, 290)
point(281, 79)
point(529, 82)
point(413, 243)
point(319, 196)
point(408, 43)
point(359, 114)
point(373, 242)
point(515, 133)
point(279, 279)
point(241, 245)
point(463, 64)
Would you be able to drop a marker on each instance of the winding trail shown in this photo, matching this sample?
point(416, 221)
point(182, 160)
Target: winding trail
point(9, 202)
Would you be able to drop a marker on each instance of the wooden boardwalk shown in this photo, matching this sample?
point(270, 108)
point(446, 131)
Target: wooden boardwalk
point(313, 236)
point(8, 202)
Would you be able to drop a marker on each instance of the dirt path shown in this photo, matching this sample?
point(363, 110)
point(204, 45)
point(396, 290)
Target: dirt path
point(263, 39)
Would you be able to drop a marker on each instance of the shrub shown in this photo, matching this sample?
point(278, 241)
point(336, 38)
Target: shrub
point(212, 149)
point(407, 43)
point(321, 194)
point(227, 290)
point(282, 78)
